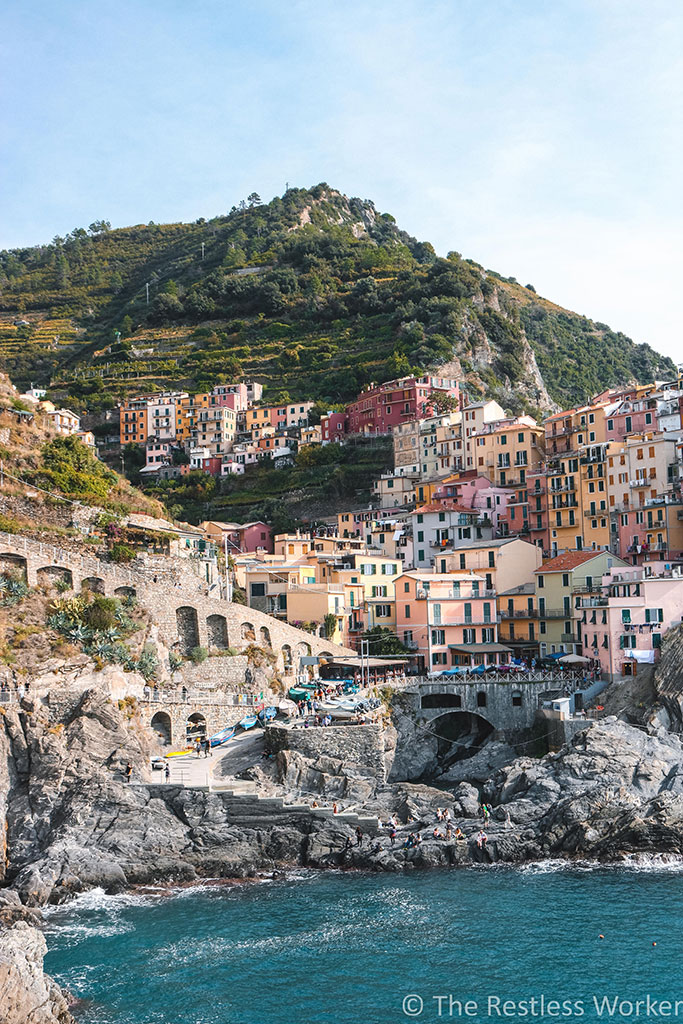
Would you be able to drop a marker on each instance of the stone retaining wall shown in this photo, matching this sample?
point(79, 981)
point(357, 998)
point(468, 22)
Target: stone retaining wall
point(357, 744)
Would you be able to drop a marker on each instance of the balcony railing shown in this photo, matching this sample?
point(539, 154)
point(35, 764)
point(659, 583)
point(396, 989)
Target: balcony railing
point(519, 613)
point(570, 638)
point(597, 514)
point(592, 602)
point(554, 613)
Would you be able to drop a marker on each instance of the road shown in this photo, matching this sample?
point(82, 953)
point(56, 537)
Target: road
point(242, 751)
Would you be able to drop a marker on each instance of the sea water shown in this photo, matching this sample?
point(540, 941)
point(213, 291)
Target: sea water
point(487, 944)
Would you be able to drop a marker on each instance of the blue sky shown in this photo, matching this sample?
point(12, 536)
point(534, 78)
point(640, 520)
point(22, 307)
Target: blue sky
point(541, 139)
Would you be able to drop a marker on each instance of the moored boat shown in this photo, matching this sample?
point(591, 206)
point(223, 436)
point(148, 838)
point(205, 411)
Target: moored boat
point(248, 721)
point(222, 737)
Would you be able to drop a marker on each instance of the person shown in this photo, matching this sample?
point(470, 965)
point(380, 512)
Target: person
point(449, 831)
point(359, 836)
point(481, 839)
point(198, 746)
point(167, 772)
point(485, 813)
point(446, 815)
point(392, 836)
point(334, 808)
point(129, 771)
point(459, 834)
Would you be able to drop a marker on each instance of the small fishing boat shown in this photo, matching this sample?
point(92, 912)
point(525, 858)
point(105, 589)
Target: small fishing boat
point(248, 721)
point(266, 714)
point(222, 737)
point(178, 753)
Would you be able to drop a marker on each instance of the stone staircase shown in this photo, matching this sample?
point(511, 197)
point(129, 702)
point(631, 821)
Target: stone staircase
point(242, 801)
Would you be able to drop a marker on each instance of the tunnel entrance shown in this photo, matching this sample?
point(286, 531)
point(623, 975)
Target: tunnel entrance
point(460, 734)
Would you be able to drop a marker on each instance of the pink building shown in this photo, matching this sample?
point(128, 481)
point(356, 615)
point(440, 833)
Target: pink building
point(232, 396)
point(334, 426)
point(630, 416)
point(381, 407)
point(448, 620)
point(240, 537)
point(623, 623)
point(475, 491)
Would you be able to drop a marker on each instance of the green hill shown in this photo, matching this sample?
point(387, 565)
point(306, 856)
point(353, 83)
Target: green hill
point(313, 294)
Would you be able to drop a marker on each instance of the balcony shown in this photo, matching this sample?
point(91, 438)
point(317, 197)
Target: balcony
point(641, 482)
point(570, 638)
point(562, 488)
point(597, 514)
point(592, 602)
point(554, 613)
point(528, 613)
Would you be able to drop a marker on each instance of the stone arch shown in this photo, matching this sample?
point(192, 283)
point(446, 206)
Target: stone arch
point(482, 699)
point(14, 564)
point(195, 725)
point(217, 632)
point(50, 575)
point(326, 654)
point(126, 593)
point(265, 636)
point(95, 584)
point(163, 727)
point(517, 698)
point(248, 631)
point(303, 650)
point(459, 735)
point(441, 700)
point(286, 655)
point(188, 628)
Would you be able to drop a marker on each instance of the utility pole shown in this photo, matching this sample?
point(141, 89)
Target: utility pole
point(228, 581)
point(147, 291)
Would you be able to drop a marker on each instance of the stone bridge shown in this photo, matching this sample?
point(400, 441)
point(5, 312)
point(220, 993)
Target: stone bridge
point(208, 713)
point(186, 610)
point(506, 704)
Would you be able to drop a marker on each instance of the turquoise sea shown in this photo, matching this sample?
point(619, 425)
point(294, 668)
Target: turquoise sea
point(330, 948)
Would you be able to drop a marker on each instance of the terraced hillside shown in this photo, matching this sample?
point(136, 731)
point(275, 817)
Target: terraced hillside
point(313, 294)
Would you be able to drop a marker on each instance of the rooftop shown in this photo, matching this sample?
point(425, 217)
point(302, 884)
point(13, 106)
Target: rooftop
point(569, 560)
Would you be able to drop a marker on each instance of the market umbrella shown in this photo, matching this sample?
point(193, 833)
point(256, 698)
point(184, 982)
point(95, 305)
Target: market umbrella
point(574, 659)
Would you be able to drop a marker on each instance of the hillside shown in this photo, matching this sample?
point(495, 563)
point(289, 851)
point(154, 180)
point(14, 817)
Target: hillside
point(43, 475)
point(313, 294)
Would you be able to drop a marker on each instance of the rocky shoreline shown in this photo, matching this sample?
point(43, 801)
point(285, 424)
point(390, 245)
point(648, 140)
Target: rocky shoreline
point(71, 822)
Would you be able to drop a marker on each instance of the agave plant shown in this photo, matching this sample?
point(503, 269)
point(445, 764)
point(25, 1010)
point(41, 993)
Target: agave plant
point(101, 649)
point(79, 634)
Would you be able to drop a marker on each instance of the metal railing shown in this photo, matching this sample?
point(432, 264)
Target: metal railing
point(197, 696)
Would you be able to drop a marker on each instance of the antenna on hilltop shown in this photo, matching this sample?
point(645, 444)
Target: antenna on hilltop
point(286, 186)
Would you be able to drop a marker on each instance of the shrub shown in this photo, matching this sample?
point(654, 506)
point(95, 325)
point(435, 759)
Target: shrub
point(174, 661)
point(148, 663)
point(101, 613)
point(198, 655)
point(122, 552)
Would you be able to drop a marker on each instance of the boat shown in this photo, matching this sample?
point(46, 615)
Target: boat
point(222, 737)
point(178, 753)
point(248, 721)
point(267, 713)
point(297, 693)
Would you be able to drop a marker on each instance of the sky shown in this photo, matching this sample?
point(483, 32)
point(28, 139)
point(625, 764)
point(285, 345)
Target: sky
point(543, 140)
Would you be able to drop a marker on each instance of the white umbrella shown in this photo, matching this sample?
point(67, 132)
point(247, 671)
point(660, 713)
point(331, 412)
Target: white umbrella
point(574, 659)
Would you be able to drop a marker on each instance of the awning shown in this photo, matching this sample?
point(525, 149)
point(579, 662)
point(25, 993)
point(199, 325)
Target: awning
point(481, 648)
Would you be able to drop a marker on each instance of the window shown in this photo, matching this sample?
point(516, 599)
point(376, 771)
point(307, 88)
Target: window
point(654, 615)
point(258, 590)
point(462, 562)
point(420, 536)
point(438, 637)
point(436, 609)
point(492, 559)
point(442, 517)
point(625, 614)
point(468, 612)
point(487, 636)
point(406, 586)
point(420, 555)
point(565, 579)
point(420, 518)
point(406, 611)
point(627, 640)
point(656, 640)
point(540, 583)
point(383, 611)
point(469, 636)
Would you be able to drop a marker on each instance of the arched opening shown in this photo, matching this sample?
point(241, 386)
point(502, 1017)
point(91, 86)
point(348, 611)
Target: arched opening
point(265, 636)
point(14, 565)
point(287, 656)
point(55, 576)
point(441, 700)
point(126, 593)
point(195, 726)
point(217, 630)
point(161, 723)
point(517, 698)
point(460, 734)
point(94, 584)
point(303, 650)
point(248, 631)
point(188, 628)
point(481, 699)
